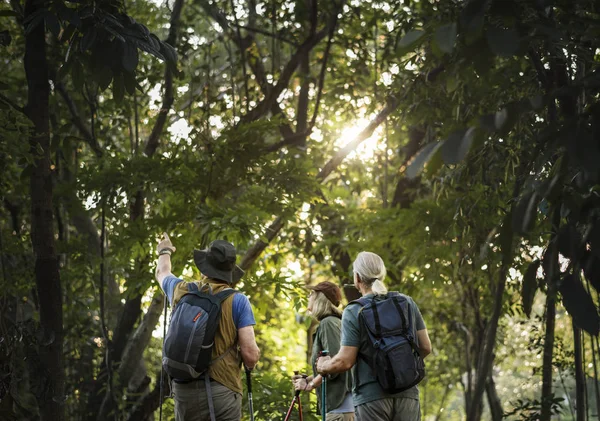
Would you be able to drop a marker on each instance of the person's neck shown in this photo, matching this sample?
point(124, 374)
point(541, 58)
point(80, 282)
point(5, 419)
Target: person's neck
point(366, 291)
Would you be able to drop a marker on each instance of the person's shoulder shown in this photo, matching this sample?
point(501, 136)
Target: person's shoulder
point(239, 298)
point(330, 321)
point(352, 308)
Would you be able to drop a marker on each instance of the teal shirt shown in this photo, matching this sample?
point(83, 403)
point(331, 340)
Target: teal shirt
point(366, 388)
point(327, 337)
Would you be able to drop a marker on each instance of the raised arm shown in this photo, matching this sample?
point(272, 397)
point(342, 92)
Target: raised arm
point(163, 266)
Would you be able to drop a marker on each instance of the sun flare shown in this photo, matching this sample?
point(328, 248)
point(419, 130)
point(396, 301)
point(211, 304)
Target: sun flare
point(368, 148)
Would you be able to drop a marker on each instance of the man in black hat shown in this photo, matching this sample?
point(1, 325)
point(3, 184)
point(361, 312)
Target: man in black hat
point(234, 341)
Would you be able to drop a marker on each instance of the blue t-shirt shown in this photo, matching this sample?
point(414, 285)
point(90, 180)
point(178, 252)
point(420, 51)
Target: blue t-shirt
point(241, 308)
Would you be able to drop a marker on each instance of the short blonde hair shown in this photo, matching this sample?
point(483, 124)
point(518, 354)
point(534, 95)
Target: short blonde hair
point(322, 307)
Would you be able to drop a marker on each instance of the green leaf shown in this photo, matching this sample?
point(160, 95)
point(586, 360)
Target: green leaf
point(525, 212)
point(169, 52)
point(4, 86)
point(118, 88)
point(435, 163)
point(130, 57)
point(456, 147)
point(579, 304)
point(445, 37)
point(451, 84)
point(503, 42)
point(52, 24)
point(103, 75)
point(410, 40)
point(88, 39)
point(537, 102)
point(529, 286)
point(129, 81)
point(77, 75)
point(8, 13)
point(114, 33)
point(421, 158)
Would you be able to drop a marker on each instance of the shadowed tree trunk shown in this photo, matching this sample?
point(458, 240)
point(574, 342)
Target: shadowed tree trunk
point(47, 274)
point(580, 406)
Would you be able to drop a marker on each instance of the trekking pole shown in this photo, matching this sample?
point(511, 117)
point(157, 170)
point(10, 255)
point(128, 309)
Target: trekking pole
point(324, 353)
point(249, 385)
point(294, 400)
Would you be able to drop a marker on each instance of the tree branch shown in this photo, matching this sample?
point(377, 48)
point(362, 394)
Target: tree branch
point(77, 121)
point(168, 97)
point(266, 33)
point(135, 350)
point(12, 103)
point(256, 250)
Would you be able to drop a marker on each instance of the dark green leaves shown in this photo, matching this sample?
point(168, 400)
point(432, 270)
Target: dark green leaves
point(130, 57)
point(77, 75)
point(455, 148)
point(579, 304)
point(525, 212)
point(410, 40)
point(88, 39)
point(422, 157)
point(118, 88)
point(529, 286)
point(503, 42)
point(452, 151)
point(445, 37)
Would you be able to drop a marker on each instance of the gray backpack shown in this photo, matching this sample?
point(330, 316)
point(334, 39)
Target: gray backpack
point(188, 346)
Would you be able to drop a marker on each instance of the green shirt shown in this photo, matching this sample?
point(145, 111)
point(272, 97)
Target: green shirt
point(327, 337)
point(366, 388)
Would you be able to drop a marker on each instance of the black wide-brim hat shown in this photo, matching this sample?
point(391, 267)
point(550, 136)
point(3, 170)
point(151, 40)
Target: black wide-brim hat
point(218, 262)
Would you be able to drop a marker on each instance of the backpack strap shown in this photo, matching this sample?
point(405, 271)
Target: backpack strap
point(209, 396)
point(406, 327)
point(223, 295)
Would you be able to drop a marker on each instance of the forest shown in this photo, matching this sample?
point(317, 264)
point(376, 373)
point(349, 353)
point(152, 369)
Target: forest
point(457, 139)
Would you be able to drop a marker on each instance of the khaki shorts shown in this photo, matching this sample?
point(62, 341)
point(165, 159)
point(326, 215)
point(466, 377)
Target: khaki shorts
point(390, 409)
point(191, 402)
point(343, 416)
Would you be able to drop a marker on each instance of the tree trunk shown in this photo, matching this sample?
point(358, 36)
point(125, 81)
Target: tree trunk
point(580, 407)
point(493, 399)
point(547, 356)
point(47, 274)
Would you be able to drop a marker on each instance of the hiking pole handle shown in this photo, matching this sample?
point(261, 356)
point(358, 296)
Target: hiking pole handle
point(249, 385)
point(248, 379)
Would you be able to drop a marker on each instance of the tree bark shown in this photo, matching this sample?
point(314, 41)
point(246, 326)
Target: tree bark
point(493, 399)
point(47, 275)
point(580, 407)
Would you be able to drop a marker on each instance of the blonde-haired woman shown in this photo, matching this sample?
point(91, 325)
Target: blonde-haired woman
point(323, 305)
point(372, 402)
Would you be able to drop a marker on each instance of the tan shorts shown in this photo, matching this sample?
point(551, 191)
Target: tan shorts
point(390, 409)
point(344, 416)
point(191, 402)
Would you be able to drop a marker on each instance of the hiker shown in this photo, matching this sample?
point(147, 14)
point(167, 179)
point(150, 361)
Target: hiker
point(234, 340)
point(323, 303)
point(378, 375)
